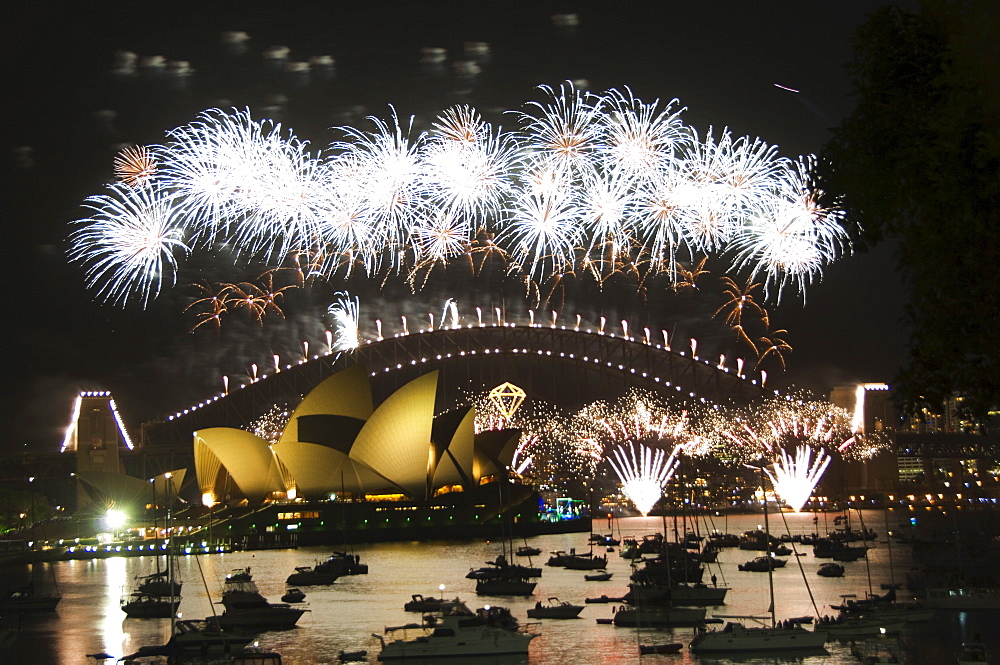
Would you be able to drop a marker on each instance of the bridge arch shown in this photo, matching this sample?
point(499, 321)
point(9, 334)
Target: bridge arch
point(564, 366)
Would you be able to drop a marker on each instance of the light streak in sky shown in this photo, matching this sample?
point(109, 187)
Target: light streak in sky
point(590, 184)
point(643, 473)
point(785, 87)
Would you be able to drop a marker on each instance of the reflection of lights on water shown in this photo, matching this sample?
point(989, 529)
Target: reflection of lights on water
point(111, 628)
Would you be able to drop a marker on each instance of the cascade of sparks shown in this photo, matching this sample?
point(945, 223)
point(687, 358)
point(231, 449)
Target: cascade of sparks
point(644, 473)
point(345, 317)
point(591, 184)
point(794, 479)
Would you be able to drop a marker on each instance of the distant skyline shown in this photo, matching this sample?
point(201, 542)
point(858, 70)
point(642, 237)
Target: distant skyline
point(730, 64)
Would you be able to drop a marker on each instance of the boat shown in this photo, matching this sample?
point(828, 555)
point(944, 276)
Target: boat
point(963, 598)
point(605, 599)
point(762, 564)
point(309, 576)
point(342, 564)
point(419, 603)
point(584, 562)
point(606, 621)
point(527, 550)
point(457, 632)
point(352, 656)
point(680, 594)
point(672, 647)
point(847, 626)
point(738, 638)
point(196, 637)
point(501, 567)
point(26, 600)
point(247, 608)
point(830, 570)
point(255, 655)
point(556, 609)
point(293, 595)
point(973, 653)
point(161, 583)
point(598, 577)
point(142, 606)
point(874, 651)
point(508, 585)
point(659, 616)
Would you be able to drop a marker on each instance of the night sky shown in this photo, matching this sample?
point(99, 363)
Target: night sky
point(720, 60)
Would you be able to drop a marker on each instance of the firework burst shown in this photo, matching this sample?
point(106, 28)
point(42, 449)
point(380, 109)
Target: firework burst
point(643, 473)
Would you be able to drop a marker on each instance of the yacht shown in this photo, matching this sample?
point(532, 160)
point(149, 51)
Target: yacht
point(659, 616)
point(247, 608)
point(457, 632)
point(739, 638)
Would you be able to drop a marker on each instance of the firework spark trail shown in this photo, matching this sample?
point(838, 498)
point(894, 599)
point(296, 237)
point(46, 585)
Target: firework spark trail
point(345, 318)
point(795, 479)
point(595, 184)
point(644, 474)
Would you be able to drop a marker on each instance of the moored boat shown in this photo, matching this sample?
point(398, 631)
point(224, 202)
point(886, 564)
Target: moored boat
point(973, 653)
point(458, 632)
point(555, 609)
point(246, 608)
point(739, 638)
point(293, 595)
point(598, 577)
point(659, 616)
point(141, 606)
point(830, 570)
point(310, 576)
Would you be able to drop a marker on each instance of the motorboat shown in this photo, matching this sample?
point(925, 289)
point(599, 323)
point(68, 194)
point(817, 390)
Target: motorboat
point(659, 616)
point(762, 564)
point(963, 598)
point(196, 637)
point(141, 606)
point(527, 550)
point(342, 564)
point(507, 585)
point(973, 653)
point(737, 637)
point(293, 595)
point(457, 632)
point(847, 626)
point(352, 656)
point(419, 603)
point(830, 570)
point(555, 609)
point(308, 576)
point(598, 577)
point(247, 608)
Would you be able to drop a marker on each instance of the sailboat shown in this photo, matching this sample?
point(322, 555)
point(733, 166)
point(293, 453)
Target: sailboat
point(738, 637)
point(504, 578)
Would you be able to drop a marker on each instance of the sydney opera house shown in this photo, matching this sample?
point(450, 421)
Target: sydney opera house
point(337, 467)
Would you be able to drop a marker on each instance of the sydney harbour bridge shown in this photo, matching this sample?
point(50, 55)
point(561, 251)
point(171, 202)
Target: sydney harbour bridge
point(563, 366)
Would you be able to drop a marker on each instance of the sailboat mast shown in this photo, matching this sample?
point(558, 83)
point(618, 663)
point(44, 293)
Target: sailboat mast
point(767, 546)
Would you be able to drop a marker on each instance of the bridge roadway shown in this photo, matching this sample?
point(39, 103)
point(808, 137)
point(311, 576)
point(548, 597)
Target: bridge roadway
point(562, 366)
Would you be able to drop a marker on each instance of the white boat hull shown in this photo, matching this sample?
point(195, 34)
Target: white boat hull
point(739, 639)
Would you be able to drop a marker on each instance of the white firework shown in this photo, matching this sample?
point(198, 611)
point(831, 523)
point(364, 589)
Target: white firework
point(564, 130)
point(795, 478)
point(639, 138)
point(129, 245)
point(644, 473)
point(345, 319)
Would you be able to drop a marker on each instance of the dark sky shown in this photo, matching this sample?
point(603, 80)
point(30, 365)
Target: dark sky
point(720, 59)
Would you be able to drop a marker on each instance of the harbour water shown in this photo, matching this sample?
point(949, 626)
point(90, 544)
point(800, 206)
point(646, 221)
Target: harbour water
point(344, 615)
